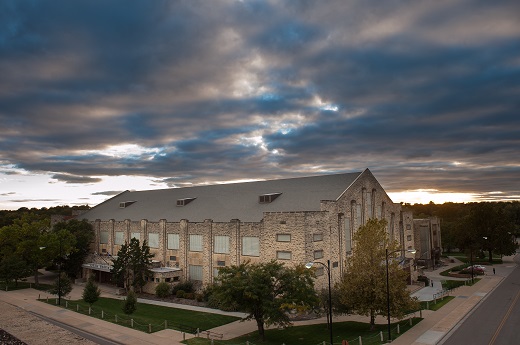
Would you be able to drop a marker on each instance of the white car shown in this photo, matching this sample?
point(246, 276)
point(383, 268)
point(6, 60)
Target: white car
point(483, 268)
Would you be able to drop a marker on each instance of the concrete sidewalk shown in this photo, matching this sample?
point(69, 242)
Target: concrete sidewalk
point(430, 330)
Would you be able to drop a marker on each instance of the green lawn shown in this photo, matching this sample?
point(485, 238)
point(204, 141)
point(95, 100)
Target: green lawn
point(317, 334)
point(24, 285)
point(436, 306)
point(148, 314)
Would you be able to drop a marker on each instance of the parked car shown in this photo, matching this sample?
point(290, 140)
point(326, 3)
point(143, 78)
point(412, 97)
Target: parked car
point(479, 266)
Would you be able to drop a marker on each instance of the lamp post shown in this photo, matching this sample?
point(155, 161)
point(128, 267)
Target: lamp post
point(59, 276)
point(309, 265)
point(411, 251)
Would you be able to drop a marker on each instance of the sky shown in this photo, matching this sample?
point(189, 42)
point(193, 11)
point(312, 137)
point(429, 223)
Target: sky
point(98, 97)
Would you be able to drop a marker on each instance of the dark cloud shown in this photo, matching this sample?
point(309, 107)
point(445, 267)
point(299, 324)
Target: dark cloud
point(75, 179)
point(424, 94)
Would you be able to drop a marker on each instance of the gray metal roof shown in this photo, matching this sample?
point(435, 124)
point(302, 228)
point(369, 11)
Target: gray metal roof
point(224, 202)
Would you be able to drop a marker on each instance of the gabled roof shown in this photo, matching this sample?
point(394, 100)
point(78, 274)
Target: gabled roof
point(224, 202)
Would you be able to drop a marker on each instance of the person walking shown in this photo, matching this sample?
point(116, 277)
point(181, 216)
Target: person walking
point(493, 270)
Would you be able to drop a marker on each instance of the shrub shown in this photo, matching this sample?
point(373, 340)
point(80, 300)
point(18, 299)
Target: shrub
point(199, 297)
point(186, 286)
point(162, 290)
point(189, 295)
point(180, 294)
point(130, 304)
point(424, 279)
point(476, 271)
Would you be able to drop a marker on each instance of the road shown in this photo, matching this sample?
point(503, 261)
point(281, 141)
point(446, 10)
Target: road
point(495, 321)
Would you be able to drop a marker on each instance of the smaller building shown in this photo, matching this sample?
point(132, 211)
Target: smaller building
point(427, 233)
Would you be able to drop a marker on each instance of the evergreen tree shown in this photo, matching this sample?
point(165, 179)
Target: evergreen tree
point(130, 304)
point(91, 292)
point(132, 264)
point(62, 286)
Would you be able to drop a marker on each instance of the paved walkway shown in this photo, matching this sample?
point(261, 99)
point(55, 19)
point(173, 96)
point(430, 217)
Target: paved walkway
point(429, 331)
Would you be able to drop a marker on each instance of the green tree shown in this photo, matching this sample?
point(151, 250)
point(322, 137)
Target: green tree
point(83, 235)
point(265, 291)
point(62, 286)
point(130, 304)
point(91, 292)
point(132, 264)
point(163, 290)
point(13, 268)
point(363, 286)
point(489, 228)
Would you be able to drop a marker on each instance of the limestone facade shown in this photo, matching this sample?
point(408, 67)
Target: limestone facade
point(198, 249)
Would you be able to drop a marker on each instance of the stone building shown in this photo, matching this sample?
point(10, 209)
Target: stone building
point(427, 235)
point(195, 230)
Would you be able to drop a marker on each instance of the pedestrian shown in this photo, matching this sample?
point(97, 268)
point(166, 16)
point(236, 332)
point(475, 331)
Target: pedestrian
point(493, 270)
point(432, 283)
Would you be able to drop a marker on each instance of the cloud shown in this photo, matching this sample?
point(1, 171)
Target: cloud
point(75, 179)
point(108, 192)
point(194, 92)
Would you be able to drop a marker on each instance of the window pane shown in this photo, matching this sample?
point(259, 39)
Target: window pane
point(173, 241)
point(136, 235)
point(103, 237)
point(221, 244)
point(195, 272)
point(318, 254)
point(283, 238)
point(251, 246)
point(317, 237)
point(119, 237)
point(153, 240)
point(348, 237)
point(196, 243)
point(283, 255)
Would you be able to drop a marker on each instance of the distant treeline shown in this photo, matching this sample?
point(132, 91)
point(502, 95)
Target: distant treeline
point(7, 217)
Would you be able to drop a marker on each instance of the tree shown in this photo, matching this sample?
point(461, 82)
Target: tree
point(265, 291)
point(130, 304)
point(83, 235)
point(62, 286)
point(132, 264)
point(13, 268)
point(363, 286)
point(489, 228)
point(91, 292)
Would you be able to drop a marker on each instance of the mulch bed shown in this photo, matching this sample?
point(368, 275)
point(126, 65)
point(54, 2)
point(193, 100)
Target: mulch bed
point(8, 339)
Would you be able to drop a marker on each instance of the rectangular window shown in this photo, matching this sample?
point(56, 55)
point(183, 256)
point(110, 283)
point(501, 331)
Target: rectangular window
point(358, 215)
point(348, 236)
point(379, 212)
point(221, 263)
point(319, 271)
point(136, 235)
point(250, 246)
point(195, 272)
point(317, 237)
point(318, 254)
point(283, 255)
point(119, 238)
point(221, 245)
point(409, 237)
point(103, 237)
point(283, 237)
point(173, 258)
point(173, 241)
point(369, 206)
point(408, 227)
point(196, 243)
point(153, 240)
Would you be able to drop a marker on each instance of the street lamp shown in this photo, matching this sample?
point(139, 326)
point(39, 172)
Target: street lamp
point(59, 276)
point(411, 251)
point(309, 265)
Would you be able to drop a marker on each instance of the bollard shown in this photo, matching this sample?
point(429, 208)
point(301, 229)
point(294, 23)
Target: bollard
point(165, 324)
point(360, 341)
point(89, 310)
point(398, 329)
point(211, 341)
point(411, 321)
point(381, 333)
point(102, 314)
point(77, 308)
point(198, 332)
point(428, 305)
point(149, 328)
point(132, 323)
point(247, 342)
point(56, 301)
point(183, 336)
point(38, 296)
point(66, 304)
point(116, 318)
point(47, 298)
